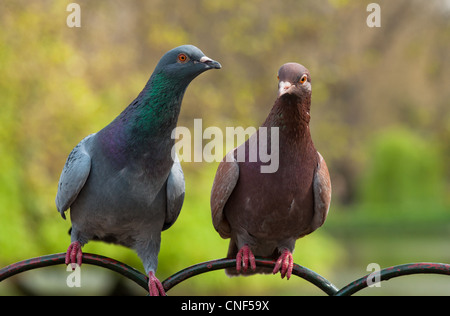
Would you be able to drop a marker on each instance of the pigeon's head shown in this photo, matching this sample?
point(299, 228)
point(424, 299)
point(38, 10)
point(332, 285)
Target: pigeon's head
point(294, 79)
point(185, 63)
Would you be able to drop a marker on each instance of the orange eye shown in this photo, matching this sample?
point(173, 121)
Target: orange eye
point(303, 79)
point(182, 58)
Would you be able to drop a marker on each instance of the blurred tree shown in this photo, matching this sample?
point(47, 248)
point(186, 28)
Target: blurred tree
point(404, 175)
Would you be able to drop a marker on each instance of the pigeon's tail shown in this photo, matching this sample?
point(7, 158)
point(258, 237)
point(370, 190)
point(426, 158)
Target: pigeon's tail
point(231, 272)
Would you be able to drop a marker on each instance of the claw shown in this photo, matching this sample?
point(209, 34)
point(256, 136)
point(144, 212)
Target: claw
point(155, 288)
point(286, 263)
point(74, 254)
point(247, 255)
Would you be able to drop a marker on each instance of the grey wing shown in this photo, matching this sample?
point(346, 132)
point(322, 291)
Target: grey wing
point(73, 177)
point(175, 194)
point(225, 181)
point(322, 193)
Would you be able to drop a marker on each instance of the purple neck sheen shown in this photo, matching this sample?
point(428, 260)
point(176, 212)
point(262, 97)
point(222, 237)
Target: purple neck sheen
point(143, 129)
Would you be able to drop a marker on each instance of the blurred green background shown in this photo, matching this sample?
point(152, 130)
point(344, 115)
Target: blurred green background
point(380, 117)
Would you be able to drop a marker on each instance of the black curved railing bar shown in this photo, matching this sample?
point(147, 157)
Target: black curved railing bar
point(204, 267)
point(302, 272)
point(396, 271)
point(88, 258)
point(142, 280)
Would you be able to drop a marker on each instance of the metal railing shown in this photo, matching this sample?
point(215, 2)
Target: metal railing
point(182, 275)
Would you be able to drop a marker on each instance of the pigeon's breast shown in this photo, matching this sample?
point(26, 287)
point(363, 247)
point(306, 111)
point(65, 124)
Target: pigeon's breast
point(116, 205)
point(277, 205)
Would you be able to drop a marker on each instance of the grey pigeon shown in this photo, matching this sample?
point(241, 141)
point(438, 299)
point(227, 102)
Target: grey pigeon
point(264, 213)
point(121, 184)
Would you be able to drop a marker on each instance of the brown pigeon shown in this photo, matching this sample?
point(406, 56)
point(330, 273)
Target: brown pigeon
point(265, 212)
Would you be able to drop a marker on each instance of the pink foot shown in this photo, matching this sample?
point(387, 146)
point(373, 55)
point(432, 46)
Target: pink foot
point(74, 254)
point(155, 287)
point(286, 263)
point(248, 256)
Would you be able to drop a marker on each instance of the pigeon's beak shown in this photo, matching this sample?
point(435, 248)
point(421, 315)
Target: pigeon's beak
point(283, 87)
point(211, 64)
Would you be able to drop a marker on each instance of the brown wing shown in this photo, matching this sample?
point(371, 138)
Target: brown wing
point(322, 194)
point(225, 181)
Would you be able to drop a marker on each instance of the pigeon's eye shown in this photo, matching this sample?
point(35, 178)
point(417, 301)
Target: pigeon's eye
point(182, 58)
point(303, 79)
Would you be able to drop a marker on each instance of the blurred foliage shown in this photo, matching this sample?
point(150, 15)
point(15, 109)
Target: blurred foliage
point(404, 174)
point(380, 113)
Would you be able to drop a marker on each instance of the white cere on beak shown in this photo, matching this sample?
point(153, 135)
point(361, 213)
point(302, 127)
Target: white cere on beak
point(205, 59)
point(283, 87)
